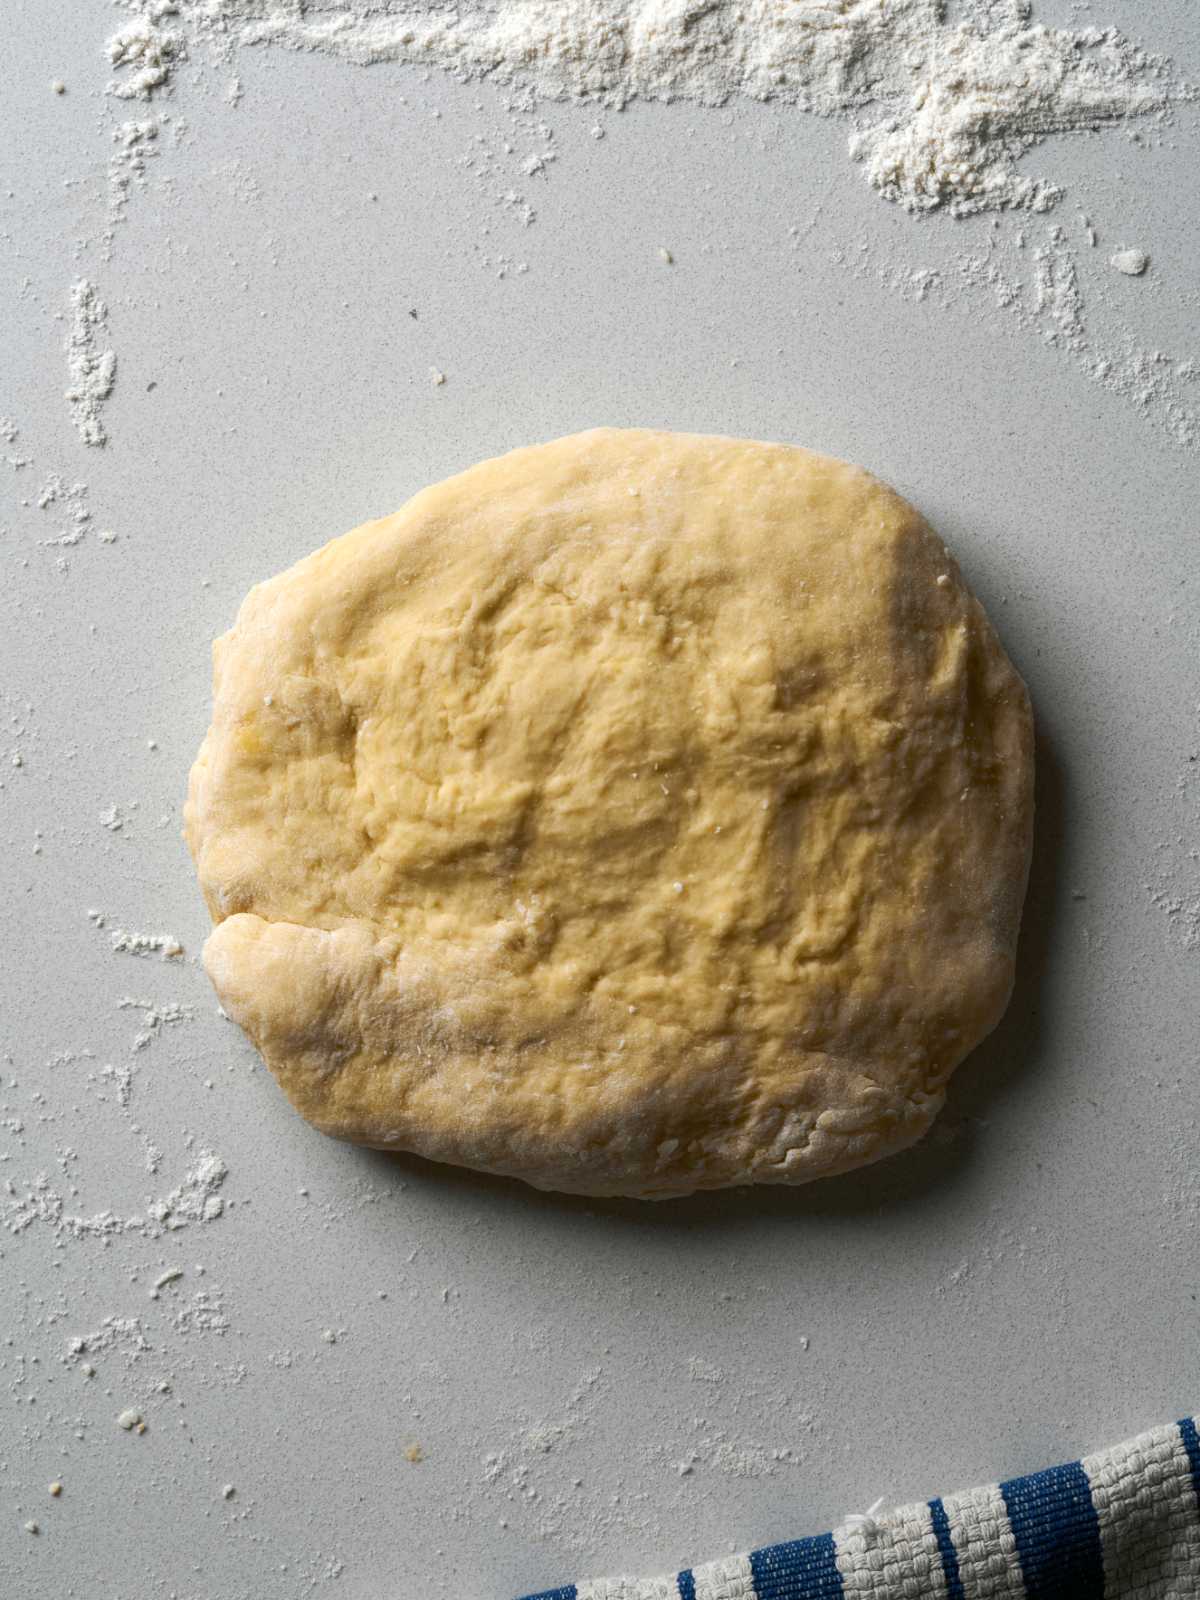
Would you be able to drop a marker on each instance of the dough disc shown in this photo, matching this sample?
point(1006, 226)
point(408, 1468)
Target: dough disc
point(633, 814)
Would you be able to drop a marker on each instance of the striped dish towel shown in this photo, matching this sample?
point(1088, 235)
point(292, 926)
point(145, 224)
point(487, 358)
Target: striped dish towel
point(1120, 1525)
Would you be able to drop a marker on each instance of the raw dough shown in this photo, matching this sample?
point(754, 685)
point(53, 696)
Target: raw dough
point(633, 814)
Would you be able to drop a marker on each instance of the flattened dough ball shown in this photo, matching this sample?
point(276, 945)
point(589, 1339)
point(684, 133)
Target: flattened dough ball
point(633, 814)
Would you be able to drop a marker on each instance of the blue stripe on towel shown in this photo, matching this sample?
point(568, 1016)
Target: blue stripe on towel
point(945, 1544)
point(686, 1585)
point(568, 1592)
point(804, 1569)
point(1057, 1533)
point(1191, 1443)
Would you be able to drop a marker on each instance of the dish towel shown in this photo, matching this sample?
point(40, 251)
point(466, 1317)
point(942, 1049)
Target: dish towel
point(1120, 1525)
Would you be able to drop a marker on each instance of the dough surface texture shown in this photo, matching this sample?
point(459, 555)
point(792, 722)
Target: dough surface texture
point(632, 814)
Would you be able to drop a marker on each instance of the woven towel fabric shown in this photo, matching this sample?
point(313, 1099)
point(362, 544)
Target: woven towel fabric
point(1120, 1525)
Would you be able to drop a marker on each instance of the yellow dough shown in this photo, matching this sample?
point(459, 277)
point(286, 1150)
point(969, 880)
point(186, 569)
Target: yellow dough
point(633, 814)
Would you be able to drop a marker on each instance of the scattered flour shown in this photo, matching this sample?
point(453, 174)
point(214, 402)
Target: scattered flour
point(124, 942)
point(204, 1313)
point(942, 107)
point(195, 1200)
point(753, 1460)
point(1175, 890)
point(701, 1371)
point(1182, 913)
point(942, 104)
point(123, 1336)
point(155, 1017)
point(69, 501)
point(1039, 289)
point(122, 1078)
point(93, 370)
point(135, 141)
point(145, 944)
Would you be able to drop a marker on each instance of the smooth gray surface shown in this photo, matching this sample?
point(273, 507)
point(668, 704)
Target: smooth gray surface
point(1020, 1288)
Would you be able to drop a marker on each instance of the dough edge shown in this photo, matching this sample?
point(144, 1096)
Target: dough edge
point(860, 1120)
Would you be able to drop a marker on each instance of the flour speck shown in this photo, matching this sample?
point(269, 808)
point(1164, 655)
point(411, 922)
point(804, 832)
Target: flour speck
point(1131, 262)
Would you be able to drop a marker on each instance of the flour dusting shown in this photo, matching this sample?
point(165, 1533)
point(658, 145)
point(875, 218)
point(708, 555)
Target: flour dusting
point(93, 369)
point(942, 109)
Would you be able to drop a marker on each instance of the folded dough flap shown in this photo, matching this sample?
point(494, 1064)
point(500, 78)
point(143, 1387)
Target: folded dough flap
point(295, 989)
point(316, 1001)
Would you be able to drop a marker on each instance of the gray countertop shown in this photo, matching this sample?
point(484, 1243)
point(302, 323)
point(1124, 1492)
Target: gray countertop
point(590, 1386)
